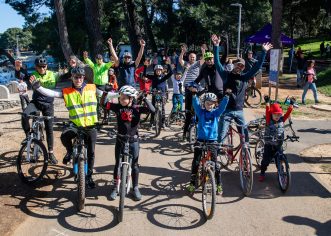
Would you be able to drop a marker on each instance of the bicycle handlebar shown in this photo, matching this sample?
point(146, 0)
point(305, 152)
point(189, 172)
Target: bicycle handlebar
point(292, 138)
point(38, 116)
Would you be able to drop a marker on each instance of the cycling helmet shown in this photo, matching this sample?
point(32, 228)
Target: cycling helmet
point(40, 61)
point(158, 67)
point(211, 97)
point(78, 71)
point(127, 54)
point(276, 109)
point(128, 91)
point(208, 55)
point(111, 69)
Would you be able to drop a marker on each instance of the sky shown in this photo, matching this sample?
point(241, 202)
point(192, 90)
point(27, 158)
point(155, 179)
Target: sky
point(9, 17)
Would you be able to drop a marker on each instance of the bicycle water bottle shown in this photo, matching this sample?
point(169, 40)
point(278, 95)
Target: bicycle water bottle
point(74, 154)
point(85, 168)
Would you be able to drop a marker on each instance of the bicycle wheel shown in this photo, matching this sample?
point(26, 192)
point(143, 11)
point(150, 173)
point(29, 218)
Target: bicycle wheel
point(176, 121)
point(158, 121)
point(253, 97)
point(81, 183)
point(192, 136)
point(32, 162)
point(245, 170)
point(209, 194)
point(124, 175)
point(224, 154)
point(284, 174)
point(258, 151)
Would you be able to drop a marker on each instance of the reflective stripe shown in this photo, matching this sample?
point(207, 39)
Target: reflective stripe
point(83, 115)
point(81, 106)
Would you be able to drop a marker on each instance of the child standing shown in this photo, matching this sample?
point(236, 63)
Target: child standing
point(22, 89)
point(208, 117)
point(177, 97)
point(274, 128)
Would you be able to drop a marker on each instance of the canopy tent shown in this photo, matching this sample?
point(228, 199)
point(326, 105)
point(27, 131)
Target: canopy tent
point(264, 36)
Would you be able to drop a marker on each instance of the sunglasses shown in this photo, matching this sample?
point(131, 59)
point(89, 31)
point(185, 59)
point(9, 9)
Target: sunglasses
point(79, 77)
point(209, 59)
point(41, 66)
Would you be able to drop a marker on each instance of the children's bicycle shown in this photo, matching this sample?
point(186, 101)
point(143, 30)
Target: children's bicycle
point(192, 131)
point(229, 153)
point(159, 101)
point(32, 159)
point(176, 118)
point(205, 178)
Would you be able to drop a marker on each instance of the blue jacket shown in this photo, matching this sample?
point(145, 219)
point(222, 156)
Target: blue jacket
point(208, 120)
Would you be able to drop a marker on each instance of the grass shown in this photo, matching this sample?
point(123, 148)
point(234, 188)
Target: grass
point(310, 44)
point(324, 82)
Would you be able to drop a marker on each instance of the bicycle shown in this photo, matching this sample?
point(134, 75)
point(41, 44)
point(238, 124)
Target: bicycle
point(159, 101)
point(32, 159)
point(205, 178)
point(176, 118)
point(229, 153)
point(253, 97)
point(192, 131)
point(256, 134)
point(283, 168)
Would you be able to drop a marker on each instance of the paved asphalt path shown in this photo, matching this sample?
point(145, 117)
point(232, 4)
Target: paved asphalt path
point(167, 209)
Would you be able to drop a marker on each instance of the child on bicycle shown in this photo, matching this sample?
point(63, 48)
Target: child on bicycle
point(208, 117)
point(177, 97)
point(128, 118)
point(274, 128)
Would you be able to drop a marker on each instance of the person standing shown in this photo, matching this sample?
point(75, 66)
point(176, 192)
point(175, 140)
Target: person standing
point(301, 61)
point(322, 48)
point(309, 81)
point(22, 89)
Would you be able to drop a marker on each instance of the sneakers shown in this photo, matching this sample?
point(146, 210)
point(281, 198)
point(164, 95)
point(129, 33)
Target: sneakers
point(136, 194)
point(190, 188)
point(52, 158)
point(261, 177)
point(219, 190)
point(67, 158)
point(89, 182)
point(114, 193)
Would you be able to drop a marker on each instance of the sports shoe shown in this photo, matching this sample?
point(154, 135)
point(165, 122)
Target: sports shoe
point(219, 190)
point(52, 158)
point(190, 188)
point(89, 182)
point(261, 177)
point(136, 194)
point(114, 193)
point(67, 158)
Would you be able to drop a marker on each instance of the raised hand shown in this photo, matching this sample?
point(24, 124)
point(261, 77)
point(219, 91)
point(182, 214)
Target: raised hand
point(267, 46)
point(228, 92)
point(85, 54)
point(142, 43)
point(216, 40)
point(266, 99)
point(183, 47)
point(18, 64)
point(110, 41)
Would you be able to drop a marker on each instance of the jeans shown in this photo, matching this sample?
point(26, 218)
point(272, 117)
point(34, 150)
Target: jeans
point(90, 139)
point(299, 77)
point(224, 122)
point(311, 86)
point(47, 109)
point(134, 151)
point(177, 99)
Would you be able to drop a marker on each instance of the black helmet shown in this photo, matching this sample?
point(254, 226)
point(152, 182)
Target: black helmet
point(40, 61)
point(78, 71)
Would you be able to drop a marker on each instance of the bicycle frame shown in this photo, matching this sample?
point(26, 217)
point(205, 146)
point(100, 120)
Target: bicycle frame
point(230, 150)
point(79, 147)
point(36, 132)
point(125, 159)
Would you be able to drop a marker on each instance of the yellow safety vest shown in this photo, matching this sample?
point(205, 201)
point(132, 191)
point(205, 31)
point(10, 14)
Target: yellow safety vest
point(82, 107)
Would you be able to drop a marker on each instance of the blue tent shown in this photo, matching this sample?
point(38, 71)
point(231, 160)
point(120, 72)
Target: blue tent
point(264, 36)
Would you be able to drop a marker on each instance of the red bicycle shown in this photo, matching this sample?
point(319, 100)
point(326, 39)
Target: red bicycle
point(234, 144)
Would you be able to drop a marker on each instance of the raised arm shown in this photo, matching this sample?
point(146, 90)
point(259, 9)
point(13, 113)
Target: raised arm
point(267, 110)
point(203, 51)
point(87, 60)
point(220, 69)
point(141, 52)
point(181, 55)
point(196, 105)
point(222, 106)
point(112, 52)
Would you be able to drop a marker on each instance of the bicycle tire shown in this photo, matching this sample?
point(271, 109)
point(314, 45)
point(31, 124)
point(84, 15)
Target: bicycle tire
point(176, 120)
point(224, 156)
point(124, 175)
point(258, 152)
point(211, 190)
point(284, 178)
point(256, 102)
point(81, 182)
point(41, 149)
point(245, 171)
point(158, 121)
point(192, 136)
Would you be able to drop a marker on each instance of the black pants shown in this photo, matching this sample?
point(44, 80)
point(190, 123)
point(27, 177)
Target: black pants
point(163, 109)
point(90, 139)
point(47, 109)
point(268, 154)
point(196, 161)
point(134, 151)
point(188, 110)
point(24, 101)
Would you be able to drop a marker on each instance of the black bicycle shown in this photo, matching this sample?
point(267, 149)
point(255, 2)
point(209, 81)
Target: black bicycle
point(253, 97)
point(32, 159)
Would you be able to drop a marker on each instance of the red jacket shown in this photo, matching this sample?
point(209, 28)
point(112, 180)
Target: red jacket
point(144, 85)
point(268, 113)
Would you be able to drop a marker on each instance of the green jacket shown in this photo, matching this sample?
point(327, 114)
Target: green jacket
point(100, 71)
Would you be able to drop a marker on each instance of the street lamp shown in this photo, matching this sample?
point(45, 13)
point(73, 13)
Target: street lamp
point(239, 25)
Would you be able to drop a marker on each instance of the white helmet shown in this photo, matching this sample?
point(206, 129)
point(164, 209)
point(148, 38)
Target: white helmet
point(158, 67)
point(128, 91)
point(211, 97)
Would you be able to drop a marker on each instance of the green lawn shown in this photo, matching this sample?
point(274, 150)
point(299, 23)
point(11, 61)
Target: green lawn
point(310, 44)
point(324, 82)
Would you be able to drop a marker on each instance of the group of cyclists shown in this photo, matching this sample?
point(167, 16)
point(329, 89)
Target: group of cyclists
point(221, 91)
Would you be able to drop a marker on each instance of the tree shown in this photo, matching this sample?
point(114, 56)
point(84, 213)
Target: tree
point(277, 7)
point(8, 38)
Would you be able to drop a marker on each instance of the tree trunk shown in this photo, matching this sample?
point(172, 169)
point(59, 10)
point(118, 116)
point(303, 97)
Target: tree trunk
point(148, 28)
point(63, 31)
point(277, 7)
point(92, 18)
point(131, 18)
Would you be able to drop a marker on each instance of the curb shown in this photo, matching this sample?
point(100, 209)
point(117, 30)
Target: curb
point(322, 107)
